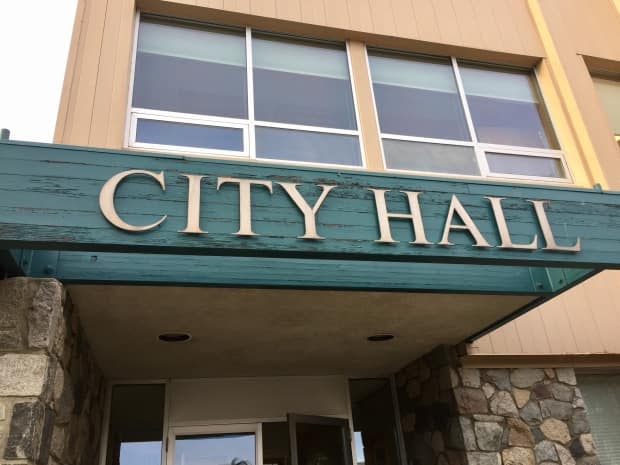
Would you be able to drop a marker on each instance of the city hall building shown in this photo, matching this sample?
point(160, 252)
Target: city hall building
point(319, 232)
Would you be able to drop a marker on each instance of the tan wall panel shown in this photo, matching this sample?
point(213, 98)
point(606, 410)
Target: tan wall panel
point(469, 26)
point(288, 9)
point(404, 18)
point(82, 93)
point(241, 6)
point(122, 72)
point(583, 320)
point(105, 77)
point(382, 17)
point(365, 106)
point(589, 28)
point(426, 22)
point(360, 13)
point(313, 11)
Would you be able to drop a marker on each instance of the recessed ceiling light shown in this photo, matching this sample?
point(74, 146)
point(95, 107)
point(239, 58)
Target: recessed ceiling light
point(176, 336)
point(380, 337)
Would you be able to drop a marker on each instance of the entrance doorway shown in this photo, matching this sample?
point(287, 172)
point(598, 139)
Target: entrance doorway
point(247, 421)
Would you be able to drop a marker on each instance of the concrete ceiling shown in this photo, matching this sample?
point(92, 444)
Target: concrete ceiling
point(263, 332)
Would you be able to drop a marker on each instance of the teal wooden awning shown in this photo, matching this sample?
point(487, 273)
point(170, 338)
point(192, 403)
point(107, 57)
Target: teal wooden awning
point(51, 224)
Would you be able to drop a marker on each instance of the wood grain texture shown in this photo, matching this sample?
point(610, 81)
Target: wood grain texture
point(80, 267)
point(583, 320)
point(49, 198)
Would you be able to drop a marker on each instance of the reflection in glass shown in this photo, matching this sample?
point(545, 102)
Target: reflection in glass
point(609, 93)
point(215, 449)
point(276, 447)
point(320, 444)
point(374, 422)
point(190, 69)
point(136, 425)
point(189, 135)
point(307, 146)
point(602, 395)
point(524, 165)
point(506, 107)
point(302, 83)
point(435, 158)
point(417, 97)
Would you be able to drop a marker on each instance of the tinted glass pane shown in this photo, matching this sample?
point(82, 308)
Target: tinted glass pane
point(506, 108)
point(215, 449)
point(190, 70)
point(302, 83)
point(276, 447)
point(317, 147)
point(523, 165)
point(189, 135)
point(437, 158)
point(602, 396)
point(320, 444)
point(136, 425)
point(416, 97)
point(374, 422)
point(609, 92)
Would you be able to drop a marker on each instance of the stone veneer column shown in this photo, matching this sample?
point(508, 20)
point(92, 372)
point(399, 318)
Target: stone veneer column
point(466, 416)
point(51, 390)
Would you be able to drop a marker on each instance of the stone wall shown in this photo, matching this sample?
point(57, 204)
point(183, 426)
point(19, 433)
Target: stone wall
point(51, 389)
point(455, 416)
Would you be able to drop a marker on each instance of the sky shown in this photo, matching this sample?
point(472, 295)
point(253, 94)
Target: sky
point(34, 38)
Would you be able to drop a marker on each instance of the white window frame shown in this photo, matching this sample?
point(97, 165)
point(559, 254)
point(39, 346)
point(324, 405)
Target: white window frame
point(248, 125)
point(480, 148)
point(107, 410)
point(253, 428)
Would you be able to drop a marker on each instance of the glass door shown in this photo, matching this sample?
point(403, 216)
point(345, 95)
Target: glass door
point(215, 445)
point(319, 440)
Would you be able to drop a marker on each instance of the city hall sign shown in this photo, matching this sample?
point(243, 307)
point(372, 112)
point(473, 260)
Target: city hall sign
point(449, 218)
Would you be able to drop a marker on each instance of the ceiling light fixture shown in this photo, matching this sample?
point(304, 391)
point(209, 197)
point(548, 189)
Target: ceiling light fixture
point(176, 336)
point(380, 337)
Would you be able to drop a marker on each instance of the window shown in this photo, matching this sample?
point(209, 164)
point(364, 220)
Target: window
point(609, 92)
point(214, 90)
point(602, 397)
point(135, 432)
point(441, 116)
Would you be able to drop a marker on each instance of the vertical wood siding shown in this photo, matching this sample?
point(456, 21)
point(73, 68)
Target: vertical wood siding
point(96, 94)
point(583, 320)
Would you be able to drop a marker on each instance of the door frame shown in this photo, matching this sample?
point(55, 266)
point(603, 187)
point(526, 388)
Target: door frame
point(256, 428)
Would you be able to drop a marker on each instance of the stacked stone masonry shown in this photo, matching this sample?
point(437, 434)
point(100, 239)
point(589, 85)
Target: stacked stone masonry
point(457, 416)
point(51, 389)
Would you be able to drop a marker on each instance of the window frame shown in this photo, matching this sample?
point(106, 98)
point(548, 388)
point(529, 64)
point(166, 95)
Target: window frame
point(211, 428)
point(247, 125)
point(609, 77)
point(480, 148)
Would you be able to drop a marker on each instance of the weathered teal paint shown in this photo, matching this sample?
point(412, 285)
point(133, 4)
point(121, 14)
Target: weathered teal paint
point(49, 200)
point(84, 267)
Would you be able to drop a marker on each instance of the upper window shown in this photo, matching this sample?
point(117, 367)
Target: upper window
point(215, 90)
point(609, 91)
point(438, 115)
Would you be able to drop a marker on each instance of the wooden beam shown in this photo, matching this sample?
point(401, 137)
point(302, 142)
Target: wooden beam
point(49, 200)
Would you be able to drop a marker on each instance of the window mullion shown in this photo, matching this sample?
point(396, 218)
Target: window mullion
point(482, 163)
point(250, 91)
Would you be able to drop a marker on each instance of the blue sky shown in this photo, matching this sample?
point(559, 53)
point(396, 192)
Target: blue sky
point(35, 38)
